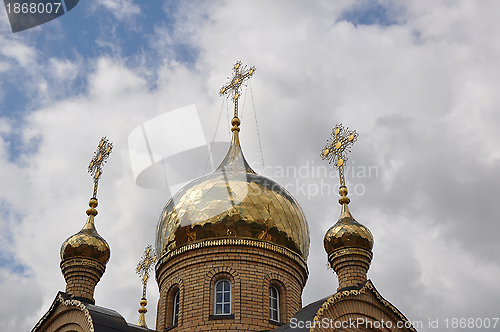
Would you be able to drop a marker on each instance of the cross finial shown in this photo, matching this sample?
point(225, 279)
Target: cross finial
point(144, 266)
point(337, 147)
point(232, 88)
point(100, 157)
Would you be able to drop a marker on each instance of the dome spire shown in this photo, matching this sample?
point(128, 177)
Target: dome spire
point(234, 158)
point(347, 243)
point(235, 140)
point(84, 255)
point(233, 89)
point(143, 269)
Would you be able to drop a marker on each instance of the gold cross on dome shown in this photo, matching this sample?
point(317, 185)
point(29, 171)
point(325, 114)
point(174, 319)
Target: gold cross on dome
point(100, 157)
point(145, 265)
point(337, 147)
point(232, 88)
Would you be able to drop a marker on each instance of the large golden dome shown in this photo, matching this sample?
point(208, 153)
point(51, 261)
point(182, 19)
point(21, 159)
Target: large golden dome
point(233, 202)
point(87, 243)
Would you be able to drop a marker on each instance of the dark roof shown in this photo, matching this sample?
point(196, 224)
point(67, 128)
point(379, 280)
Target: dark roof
point(108, 320)
point(103, 319)
point(305, 314)
point(298, 323)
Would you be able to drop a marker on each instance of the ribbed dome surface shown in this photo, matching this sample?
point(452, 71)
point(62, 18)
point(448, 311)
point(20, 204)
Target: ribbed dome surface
point(233, 201)
point(87, 243)
point(347, 233)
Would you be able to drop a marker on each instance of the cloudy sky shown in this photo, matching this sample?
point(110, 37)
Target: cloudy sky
point(418, 80)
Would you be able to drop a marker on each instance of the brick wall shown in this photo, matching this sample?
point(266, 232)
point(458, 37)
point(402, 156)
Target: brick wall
point(82, 275)
point(250, 270)
point(351, 266)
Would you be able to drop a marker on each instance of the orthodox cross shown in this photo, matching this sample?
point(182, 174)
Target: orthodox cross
point(100, 157)
point(337, 147)
point(145, 265)
point(232, 88)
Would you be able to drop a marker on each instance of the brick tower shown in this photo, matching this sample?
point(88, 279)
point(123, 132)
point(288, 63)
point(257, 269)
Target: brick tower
point(84, 255)
point(357, 305)
point(83, 259)
point(232, 248)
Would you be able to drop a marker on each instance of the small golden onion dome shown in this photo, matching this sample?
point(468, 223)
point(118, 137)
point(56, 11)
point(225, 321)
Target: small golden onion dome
point(347, 232)
point(87, 243)
point(233, 202)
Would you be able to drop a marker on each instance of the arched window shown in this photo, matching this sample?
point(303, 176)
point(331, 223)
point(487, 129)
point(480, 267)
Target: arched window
point(274, 304)
point(175, 310)
point(222, 303)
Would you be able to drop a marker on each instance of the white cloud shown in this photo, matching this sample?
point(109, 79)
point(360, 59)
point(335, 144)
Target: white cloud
point(64, 69)
point(19, 315)
point(25, 55)
point(112, 80)
point(121, 9)
point(4, 66)
point(422, 94)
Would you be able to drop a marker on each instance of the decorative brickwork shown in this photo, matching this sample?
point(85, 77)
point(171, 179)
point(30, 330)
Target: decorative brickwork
point(66, 316)
point(166, 301)
point(214, 275)
point(250, 270)
point(235, 242)
point(351, 266)
point(82, 275)
point(362, 309)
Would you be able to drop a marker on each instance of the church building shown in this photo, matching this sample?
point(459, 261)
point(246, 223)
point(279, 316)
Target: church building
point(232, 250)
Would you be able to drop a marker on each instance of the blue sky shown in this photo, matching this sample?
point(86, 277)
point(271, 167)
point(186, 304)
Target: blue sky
point(91, 30)
point(418, 80)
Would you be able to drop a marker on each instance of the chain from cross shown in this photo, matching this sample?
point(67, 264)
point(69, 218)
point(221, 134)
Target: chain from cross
point(145, 265)
point(232, 88)
point(101, 155)
point(337, 147)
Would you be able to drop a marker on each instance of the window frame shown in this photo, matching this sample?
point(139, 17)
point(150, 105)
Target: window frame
point(169, 306)
point(176, 307)
point(277, 309)
point(223, 313)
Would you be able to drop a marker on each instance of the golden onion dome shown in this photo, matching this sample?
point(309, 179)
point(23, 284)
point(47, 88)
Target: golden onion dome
point(87, 243)
point(233, 202)
point(347, 232)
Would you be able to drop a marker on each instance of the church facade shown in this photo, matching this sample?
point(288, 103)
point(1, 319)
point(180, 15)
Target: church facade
point(232, 250)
